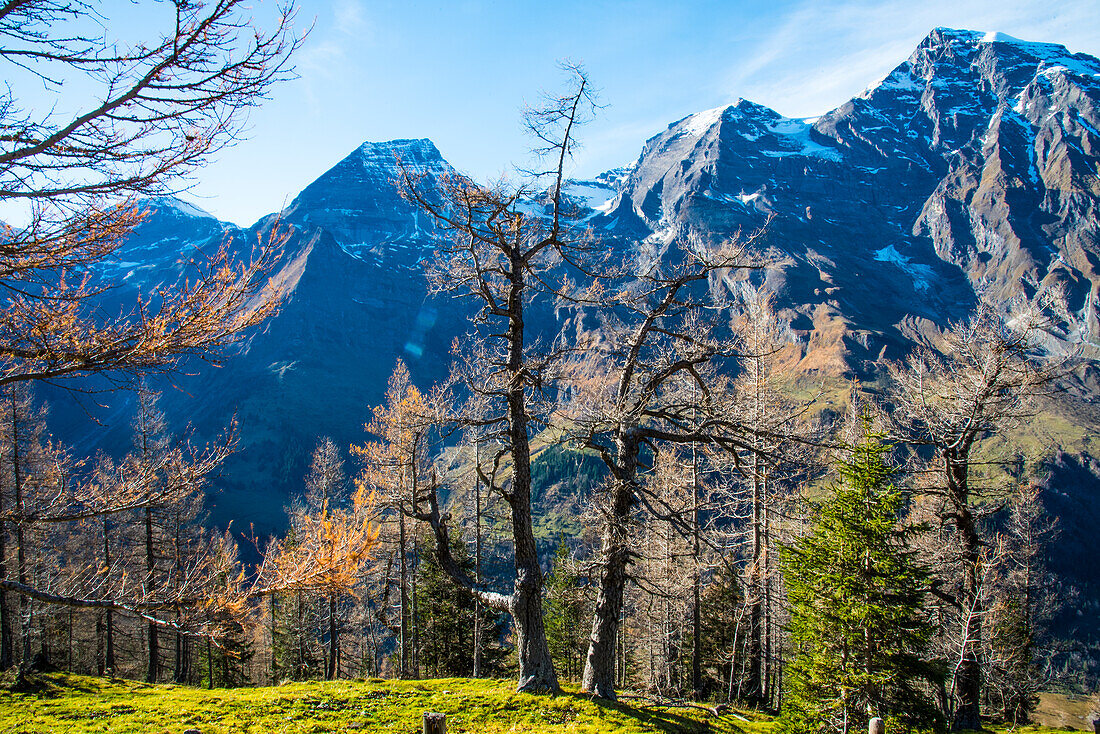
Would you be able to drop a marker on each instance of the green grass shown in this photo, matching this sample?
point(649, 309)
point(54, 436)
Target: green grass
point(72, 703)
point(68, 703)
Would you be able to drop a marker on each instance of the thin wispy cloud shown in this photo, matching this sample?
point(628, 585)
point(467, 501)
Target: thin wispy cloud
point(351, 20)
point(821, 54)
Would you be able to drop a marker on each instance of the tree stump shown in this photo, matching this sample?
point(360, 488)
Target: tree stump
point(435, 723)
point(876, 726)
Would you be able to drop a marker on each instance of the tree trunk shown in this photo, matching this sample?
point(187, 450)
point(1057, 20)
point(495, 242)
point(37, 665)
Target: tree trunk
point(69, 641)
point(99, 664)
point(599, 666)
point(152, 634)
point(968, 674)
point(536, 667)
point(185, 653)
point(414, 647)
point(333, 644)
point(301, 635)
point(403, 625)
point(697, 578)
point(274, 656)
point(753, 686)
point(434, 723)
point(109, 617)
point(477, 557)
point(7, 656)
point(771, 633)
point(20, 539)
point(109, 655)
point(182, 667)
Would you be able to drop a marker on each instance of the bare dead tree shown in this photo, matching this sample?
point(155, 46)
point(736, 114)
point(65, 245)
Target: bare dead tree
point(1022, 597)
point(650, 375)
point(982, 381)
point(499, 255)
point(770, 470)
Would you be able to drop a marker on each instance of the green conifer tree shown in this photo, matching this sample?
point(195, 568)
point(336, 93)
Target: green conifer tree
point(858, 625)
point(445, 618)
point(564, 610)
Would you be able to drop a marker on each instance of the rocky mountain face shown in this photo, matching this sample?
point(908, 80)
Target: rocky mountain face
point(973, 167)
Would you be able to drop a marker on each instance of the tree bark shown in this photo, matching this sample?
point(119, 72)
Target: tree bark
point(7, 658)
point(536, 667)
point(599, 665)
point(152, 634)
point(966, 714)
point(333, 644)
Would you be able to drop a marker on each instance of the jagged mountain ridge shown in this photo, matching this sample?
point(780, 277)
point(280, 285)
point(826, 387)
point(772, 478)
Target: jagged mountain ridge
point(971, 166)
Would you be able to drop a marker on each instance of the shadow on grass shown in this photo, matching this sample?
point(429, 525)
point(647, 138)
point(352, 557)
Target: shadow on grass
point(657, 717)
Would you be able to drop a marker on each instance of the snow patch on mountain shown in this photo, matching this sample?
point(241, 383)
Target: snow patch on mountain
point(921, 274)
point(794, 135)
point(700, 122)
point(593, 195)
point(415, 155)
point(900, 80)
point(1052, 55)
point(178, 206)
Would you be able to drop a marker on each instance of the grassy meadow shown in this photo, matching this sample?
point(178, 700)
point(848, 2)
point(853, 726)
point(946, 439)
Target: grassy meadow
point(66, 704)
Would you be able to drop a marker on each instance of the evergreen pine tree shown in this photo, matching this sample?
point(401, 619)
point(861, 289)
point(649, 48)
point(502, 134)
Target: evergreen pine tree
point(564, 611)
point(445, 617)
point(858, 626)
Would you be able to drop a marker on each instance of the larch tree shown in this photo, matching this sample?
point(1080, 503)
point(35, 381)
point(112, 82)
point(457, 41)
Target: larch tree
point(397, 467)
point(71, 172)
point(26, 488)
point(765, 339)
point(650, 375)
point(328, 548)
point(326, 492)
point(980, 382)
point(498, 254)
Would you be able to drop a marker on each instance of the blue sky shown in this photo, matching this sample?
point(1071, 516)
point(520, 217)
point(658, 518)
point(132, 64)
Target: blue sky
point(458, 72)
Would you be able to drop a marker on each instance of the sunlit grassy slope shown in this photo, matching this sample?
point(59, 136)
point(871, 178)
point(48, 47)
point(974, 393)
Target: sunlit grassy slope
point(83, 704)
point(70, 704)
